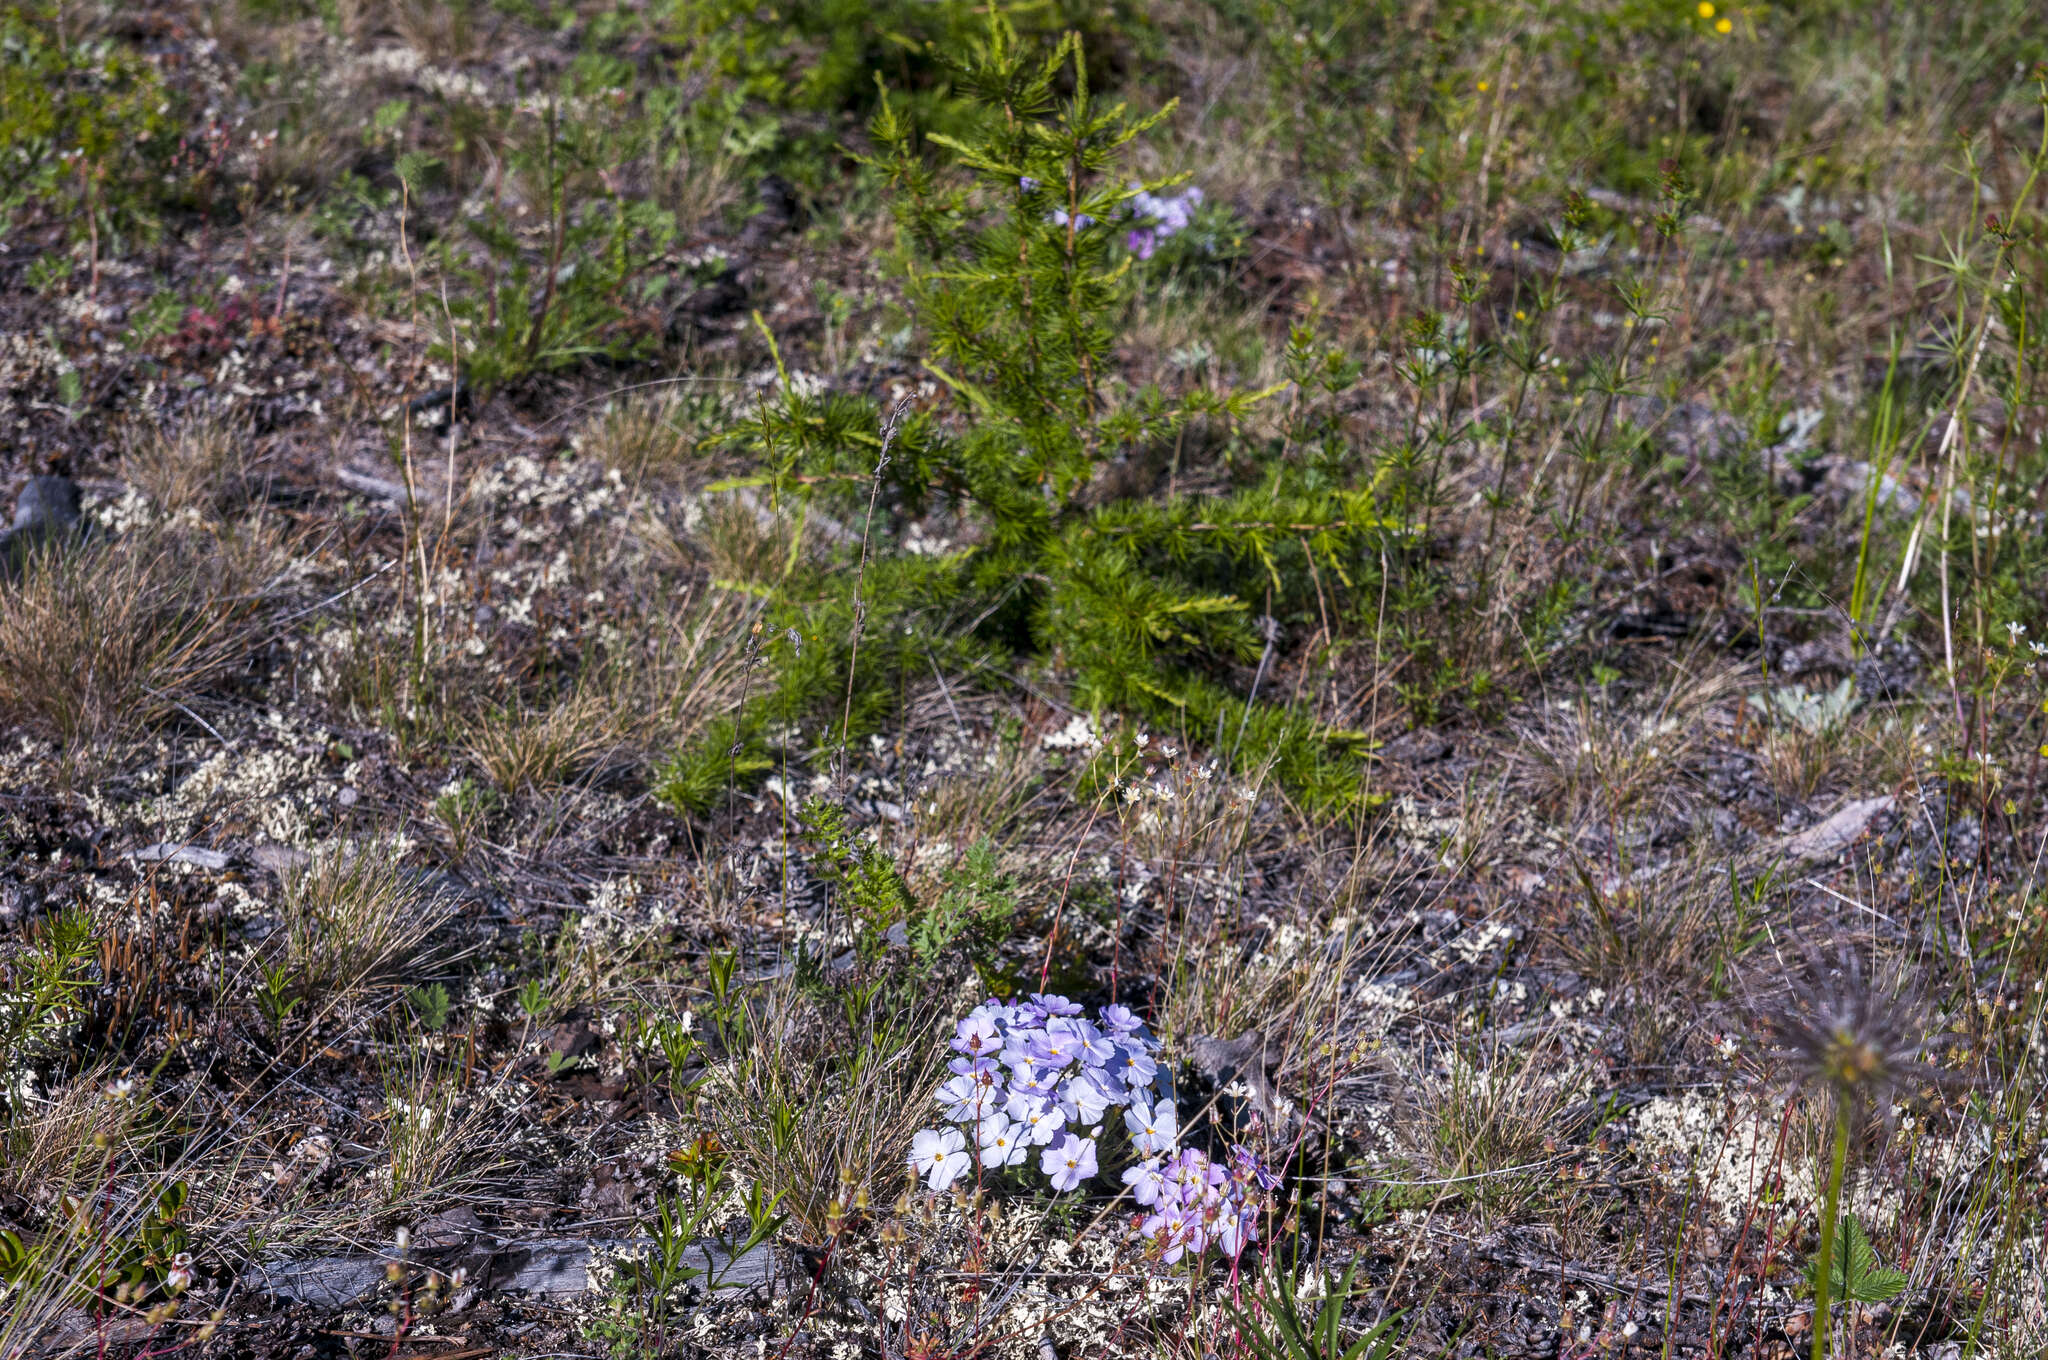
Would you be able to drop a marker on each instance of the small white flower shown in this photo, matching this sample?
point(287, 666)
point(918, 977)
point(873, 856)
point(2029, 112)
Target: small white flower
point(2016, 631)
point(940, 1156)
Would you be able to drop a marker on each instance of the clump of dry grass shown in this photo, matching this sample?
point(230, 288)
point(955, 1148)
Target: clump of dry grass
point(1486, 1121)
point(818, 1106)
point(529, 746)
point(200, 466)
point(104, 642)
point(652, 433)
point(353, 914)
point(669, 671)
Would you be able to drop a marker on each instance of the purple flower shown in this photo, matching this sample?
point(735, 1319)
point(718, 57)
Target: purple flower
point(1053, 1047)
point(978, 1068)
point(940, 1156)
point(977, 1035)
point(1068, 1162)
point(1031, 1081)
point(1096, 1048)
point(1245, 1167)
point(1170, 1229)
point(1086, 1099)
point(1154, 1131)
point(1237, 1232)
point(967, 1098)
point(1038, 1119)
point(1054, 1005)
point(1141, 242)
point(1119, 1020)
point(1137, 1068)
point(1146, 1181)
point(1000, 1144)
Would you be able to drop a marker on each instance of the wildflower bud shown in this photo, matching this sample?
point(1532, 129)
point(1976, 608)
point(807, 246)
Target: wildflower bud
point(159, 1315)
point(893, 1234)
point(860, 1199)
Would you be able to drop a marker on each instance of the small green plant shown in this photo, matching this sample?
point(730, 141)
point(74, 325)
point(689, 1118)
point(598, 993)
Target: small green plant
point(1286, 1332)
point(1857, 1275)
point(685, 1250)
point(87, 128)
point(573, 289)
point(464, 807)
point(1816, 715)
point(39, 992)
point(430, 1005)
point(976, 910)
point(277, 995)
point(534, 1002)
point(1017, 276)
point(871, 894)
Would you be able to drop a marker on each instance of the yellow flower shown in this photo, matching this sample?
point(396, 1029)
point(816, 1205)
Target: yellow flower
point(1483, 87)
point(1706, 9)
point(1724, 26)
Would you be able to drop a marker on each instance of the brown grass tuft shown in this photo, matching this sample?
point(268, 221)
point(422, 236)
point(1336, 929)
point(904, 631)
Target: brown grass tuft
point(105, 642)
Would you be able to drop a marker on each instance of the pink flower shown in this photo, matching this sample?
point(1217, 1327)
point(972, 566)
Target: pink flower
point(179, 1277)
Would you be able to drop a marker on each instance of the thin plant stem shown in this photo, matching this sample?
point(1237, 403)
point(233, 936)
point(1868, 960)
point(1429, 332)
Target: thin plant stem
point(1831, 1215)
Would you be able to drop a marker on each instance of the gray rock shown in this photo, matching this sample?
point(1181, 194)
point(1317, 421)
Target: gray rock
point(1831, 837)
point(47, 510)
point(166, 852)
point(555, 1266)
point(47, 501)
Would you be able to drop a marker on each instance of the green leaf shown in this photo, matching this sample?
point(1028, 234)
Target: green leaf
point(1857, 1276)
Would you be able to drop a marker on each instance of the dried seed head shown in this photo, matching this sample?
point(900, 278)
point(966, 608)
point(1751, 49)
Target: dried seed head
point(1856, 1039)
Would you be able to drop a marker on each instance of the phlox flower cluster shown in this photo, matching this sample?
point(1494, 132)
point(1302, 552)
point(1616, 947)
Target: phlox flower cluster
point(1034, 1081)
point(1159, 217)
point(1154, 217)
point(1197, 1203)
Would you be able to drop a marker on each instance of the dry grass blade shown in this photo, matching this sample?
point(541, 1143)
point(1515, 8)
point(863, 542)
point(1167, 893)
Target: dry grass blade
point(351, 915)
point(524, 747)
point(200, 466)
point(107, 641)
